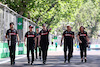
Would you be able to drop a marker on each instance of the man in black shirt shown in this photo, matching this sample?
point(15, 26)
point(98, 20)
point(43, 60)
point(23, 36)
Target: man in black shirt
point(11, 36)
point(31, 42)
point(44, 42)
point(37, 37)
point(68, 36)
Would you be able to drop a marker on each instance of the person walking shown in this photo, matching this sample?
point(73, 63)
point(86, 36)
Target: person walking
point(31, 42)
point(44, 42)
point(68, 36)
point(11, 36)
point(83, 43)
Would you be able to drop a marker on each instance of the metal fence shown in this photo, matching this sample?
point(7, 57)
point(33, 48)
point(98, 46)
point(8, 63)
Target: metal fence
point(7, 15)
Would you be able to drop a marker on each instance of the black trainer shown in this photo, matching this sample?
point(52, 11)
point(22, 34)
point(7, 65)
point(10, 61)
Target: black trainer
point(68, 60)
point(81, 60)
point(64, 61)
point(28, 62)
point(13, 62)
point(44, 62)
point(85, 60)
point(31, 63)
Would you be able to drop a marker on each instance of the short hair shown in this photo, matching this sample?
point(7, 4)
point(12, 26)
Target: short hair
point(11, 23)
point(81, 27)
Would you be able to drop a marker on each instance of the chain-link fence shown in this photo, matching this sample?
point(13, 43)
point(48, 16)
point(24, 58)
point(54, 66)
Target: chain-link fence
point(6, 16)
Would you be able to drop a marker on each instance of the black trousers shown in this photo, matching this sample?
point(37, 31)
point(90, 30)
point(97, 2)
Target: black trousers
point(12, 50)
point(32, 54)
point(44, 48)
point(71, 49)
point(83, 49)
point(44, 55)
point(67, 46)
point(39, 52)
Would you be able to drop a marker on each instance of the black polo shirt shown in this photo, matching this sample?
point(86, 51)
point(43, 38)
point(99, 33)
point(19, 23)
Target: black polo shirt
point(44, 36)
point(12, 35)
point(30, 38)
point(68, 36)
point(82, 36)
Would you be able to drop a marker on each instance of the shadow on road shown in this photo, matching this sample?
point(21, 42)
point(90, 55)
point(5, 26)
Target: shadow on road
point(58, 61)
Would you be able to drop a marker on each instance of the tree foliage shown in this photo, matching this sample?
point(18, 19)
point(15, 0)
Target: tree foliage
point(59, 13)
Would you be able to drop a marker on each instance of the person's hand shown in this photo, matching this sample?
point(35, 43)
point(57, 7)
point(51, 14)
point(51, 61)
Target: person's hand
point(8, 39)
point(39, 45)
point(18, 43)
point(80, 41)
point(50, 29)
point(25, 44)
point(35, 48)
point(61, 44)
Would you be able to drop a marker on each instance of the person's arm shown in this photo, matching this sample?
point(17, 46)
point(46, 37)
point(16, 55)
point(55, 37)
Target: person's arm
point(39, 37)
point(49, 30)
point(61, 40)
point(24, 41)
point(79, 39)
point(7, 35)
point(35, 42)
point(87, 38)
point(18, 39)
point(73, 35)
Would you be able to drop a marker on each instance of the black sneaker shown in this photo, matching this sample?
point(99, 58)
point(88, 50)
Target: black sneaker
point(64, 61)
point(85, 60)
point(40, 58)
point(71, 56)
point(13, 62)
point(28, 62)
point(68, 60)
point(31, 63)
point(44, 62)
point(81, 60)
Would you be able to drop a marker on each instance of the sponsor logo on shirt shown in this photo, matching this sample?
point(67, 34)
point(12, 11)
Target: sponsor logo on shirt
point(68, 35)
point(12, 33)
point(82, 34)
point(30, 35)
point(44, 33)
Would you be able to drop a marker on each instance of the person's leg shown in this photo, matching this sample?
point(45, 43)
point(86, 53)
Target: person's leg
point(28, 58)
point(40, 53)
point(81, 52)
point(10, 49)
point(14, 49)
point(65, 52)
point(46, 52)
point(69, 52)
point(85, 54)
point(36, 52)
point(65, 56)
point(72, 49)
point(43, 56)
point(32, 55)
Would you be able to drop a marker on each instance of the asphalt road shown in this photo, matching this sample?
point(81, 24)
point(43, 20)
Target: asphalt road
point(56, 59)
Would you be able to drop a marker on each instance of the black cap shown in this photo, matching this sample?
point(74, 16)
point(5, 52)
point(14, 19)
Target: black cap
point(31, 26)
point(44, 24)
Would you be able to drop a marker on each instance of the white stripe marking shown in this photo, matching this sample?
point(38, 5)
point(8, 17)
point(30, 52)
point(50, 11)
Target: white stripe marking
point(9, 60)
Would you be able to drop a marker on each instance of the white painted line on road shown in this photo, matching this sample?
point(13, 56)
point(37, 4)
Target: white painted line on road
point(5, 61)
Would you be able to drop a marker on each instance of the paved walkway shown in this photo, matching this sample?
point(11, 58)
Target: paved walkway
point(55, 59)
